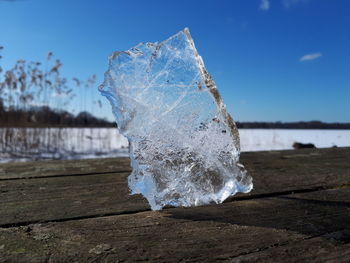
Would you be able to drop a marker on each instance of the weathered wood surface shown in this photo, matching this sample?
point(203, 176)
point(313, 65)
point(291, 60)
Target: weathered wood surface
point(62, 168)
point(41, 199)
point(299, 211)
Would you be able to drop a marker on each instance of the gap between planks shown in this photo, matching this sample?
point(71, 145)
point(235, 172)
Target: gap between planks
point(64, 175)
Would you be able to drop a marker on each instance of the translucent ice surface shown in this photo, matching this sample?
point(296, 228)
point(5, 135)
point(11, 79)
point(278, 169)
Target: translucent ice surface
point(184, 146)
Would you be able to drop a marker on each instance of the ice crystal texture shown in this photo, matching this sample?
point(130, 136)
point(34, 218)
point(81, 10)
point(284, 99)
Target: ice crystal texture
point(184, 146)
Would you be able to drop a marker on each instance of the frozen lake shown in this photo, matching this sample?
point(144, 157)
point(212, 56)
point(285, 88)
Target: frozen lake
point(27, 144)
point(283, 139)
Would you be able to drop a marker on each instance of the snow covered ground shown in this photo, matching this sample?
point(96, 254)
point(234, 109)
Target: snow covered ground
point(27, 144)
point(283, 139)
point(81, 143)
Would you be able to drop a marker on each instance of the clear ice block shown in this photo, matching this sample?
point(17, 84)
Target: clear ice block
point(184, 146)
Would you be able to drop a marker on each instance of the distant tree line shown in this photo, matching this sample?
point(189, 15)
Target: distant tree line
point(46, 117)
point(293, 125)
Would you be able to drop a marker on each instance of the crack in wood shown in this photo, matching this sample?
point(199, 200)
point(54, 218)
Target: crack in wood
point(26, 223)
point(288, 192)
point(275, 245)
point(63, 175)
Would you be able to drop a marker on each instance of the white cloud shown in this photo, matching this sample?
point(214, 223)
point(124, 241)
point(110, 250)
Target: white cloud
point(265, 5)
point(291, 3)
point(311, 56)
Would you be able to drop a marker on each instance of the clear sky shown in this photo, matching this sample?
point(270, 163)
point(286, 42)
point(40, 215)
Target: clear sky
point(273, 60)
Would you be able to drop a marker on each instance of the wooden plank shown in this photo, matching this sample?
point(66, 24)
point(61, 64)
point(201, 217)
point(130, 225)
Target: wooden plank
point(56, 198)
point(281, 171)
point(203, 234)
point(255, 161)
point(59, 168)
point(60, 198)
point(311, 250)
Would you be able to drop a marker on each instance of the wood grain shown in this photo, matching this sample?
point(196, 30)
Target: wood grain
point(81, 211)
point(52, 198)
point(315, 224)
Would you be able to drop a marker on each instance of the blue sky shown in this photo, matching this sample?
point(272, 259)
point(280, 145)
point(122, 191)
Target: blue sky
point(273, 60)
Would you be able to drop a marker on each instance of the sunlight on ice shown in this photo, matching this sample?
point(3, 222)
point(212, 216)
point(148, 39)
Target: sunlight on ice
point(184, 146)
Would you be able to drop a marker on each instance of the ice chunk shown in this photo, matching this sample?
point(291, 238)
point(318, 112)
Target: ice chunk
point(184, 146)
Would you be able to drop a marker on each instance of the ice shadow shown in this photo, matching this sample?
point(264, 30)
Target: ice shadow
point(306, 216)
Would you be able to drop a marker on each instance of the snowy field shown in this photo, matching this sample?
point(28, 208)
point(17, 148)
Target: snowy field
point(283, 139)
point(27, 144)
point(30, 144)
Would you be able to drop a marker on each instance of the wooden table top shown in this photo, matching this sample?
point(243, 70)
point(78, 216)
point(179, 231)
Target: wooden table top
point(81, 211)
